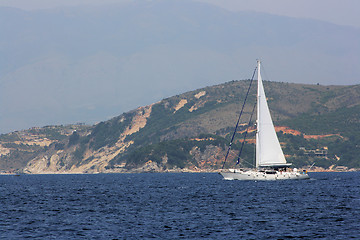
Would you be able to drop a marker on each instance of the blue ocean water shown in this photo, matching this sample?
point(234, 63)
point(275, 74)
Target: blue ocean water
point(178, 206)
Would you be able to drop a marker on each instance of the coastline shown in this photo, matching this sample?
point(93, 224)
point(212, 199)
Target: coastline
point(185, 170)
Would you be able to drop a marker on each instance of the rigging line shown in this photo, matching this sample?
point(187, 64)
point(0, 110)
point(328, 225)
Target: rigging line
point(264, 72)
point(246, 132)
point(248, 162)
point(237, 123)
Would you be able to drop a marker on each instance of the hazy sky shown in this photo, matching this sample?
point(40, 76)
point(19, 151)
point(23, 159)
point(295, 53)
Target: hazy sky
point(110, 60)
point(344, 12)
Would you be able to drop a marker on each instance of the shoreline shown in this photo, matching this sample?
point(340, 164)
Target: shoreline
point(169, 171)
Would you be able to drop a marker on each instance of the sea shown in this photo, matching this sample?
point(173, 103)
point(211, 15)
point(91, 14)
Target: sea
point(178, 206)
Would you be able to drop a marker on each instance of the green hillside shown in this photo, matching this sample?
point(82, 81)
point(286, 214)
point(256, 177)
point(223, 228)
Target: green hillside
point(319, 124)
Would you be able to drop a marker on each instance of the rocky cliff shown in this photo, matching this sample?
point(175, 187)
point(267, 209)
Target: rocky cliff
point(191, 132)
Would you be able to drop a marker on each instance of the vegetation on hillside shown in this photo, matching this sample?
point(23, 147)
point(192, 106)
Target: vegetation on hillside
point(193, 130)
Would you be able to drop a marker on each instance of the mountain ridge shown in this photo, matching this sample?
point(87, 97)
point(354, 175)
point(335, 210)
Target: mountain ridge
point(192, 130)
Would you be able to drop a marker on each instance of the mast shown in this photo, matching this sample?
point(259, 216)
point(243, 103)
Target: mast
point(257, 160)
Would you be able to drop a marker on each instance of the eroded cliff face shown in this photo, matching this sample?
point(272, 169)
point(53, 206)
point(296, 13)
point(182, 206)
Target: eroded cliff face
point(92, 161)
point(67, 158)
point(169, 135)
point(19, 147)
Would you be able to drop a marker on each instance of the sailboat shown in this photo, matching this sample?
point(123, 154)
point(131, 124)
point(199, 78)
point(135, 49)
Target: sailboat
point(270, 160)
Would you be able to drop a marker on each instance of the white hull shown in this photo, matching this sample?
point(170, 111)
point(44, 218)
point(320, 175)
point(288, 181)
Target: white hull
point(263, 176)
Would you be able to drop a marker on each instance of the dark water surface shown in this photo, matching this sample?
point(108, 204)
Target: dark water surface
point(178, 205)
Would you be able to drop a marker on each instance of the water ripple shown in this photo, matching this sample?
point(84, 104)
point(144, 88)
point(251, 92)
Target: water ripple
point(178, 206)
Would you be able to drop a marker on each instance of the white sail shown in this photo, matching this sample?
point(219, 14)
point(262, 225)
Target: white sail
point(270, 160)
point(268, 149)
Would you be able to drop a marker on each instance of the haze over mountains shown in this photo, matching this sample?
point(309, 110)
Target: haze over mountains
point(86, 64)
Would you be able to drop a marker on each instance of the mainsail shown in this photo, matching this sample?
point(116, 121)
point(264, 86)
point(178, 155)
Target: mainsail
point(268, 149)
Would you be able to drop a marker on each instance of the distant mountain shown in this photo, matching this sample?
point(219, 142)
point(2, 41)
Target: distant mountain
point(85, 64)
point(315, 123)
